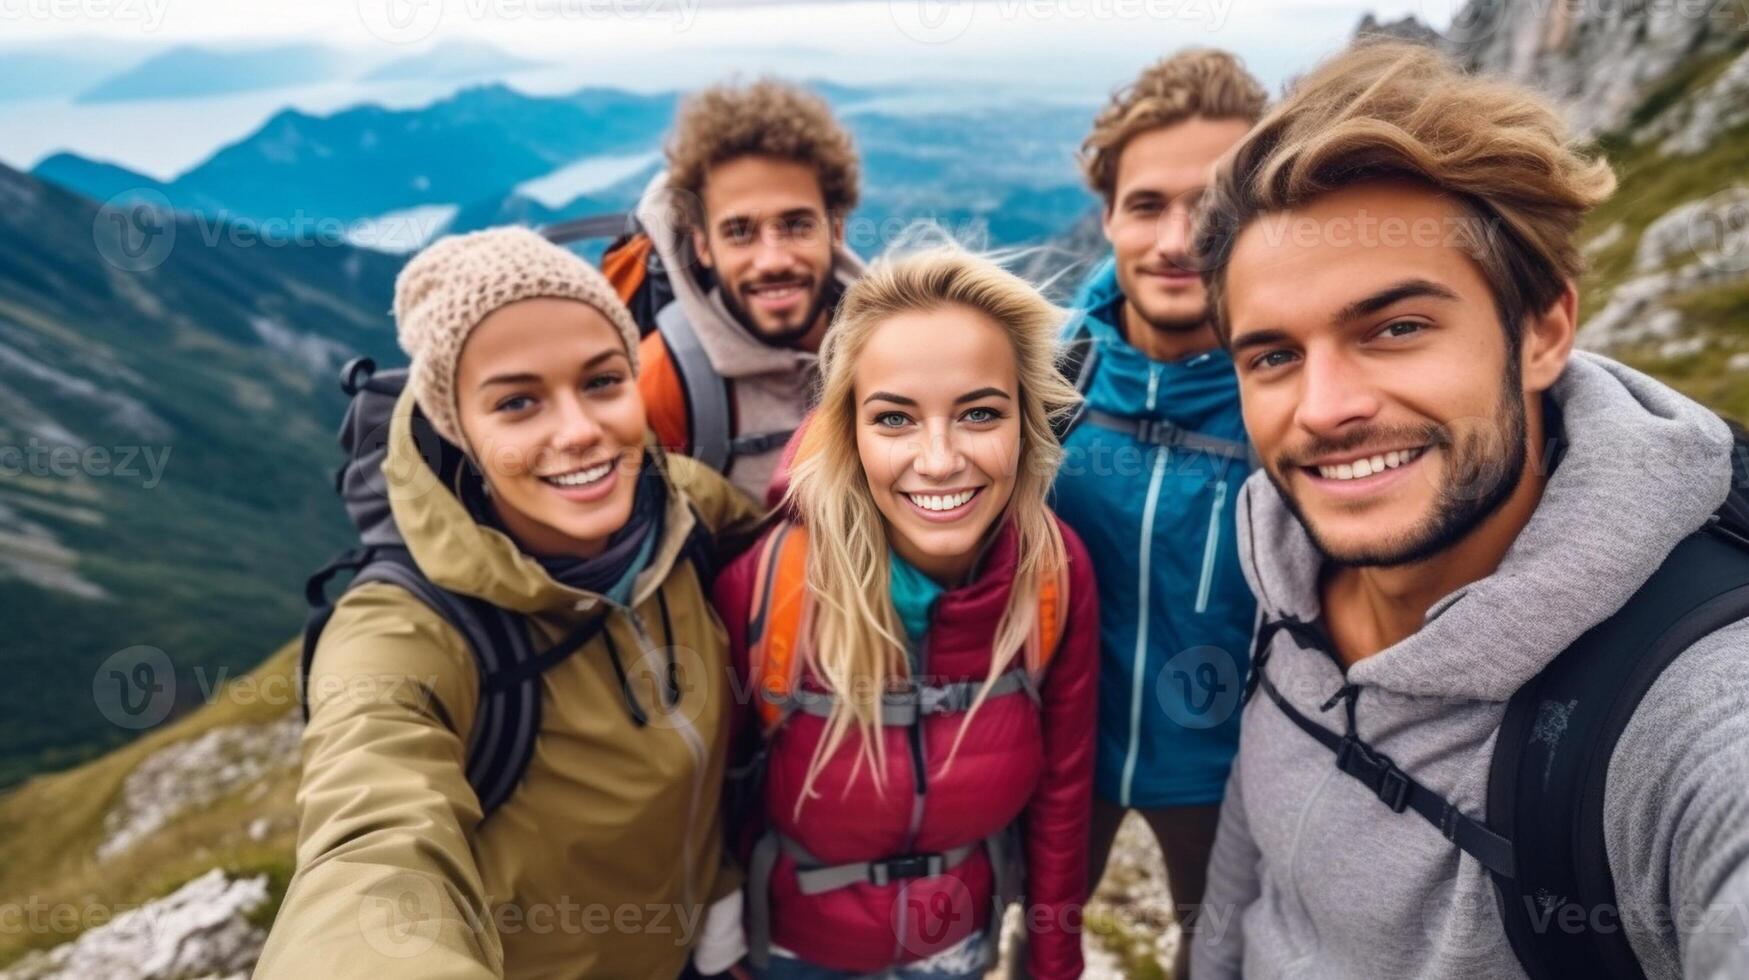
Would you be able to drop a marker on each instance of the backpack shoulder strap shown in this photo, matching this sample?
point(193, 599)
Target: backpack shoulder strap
point(1547, 781)
point(625, 263)
point(665, 401)
point(1077, 357)
point(700, 549)
point(775, 620)
point(706, 393)
point(501, 741)
point(1053, 614)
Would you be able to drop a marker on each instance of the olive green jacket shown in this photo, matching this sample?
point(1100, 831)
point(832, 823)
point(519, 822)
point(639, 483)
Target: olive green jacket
point(602, 862)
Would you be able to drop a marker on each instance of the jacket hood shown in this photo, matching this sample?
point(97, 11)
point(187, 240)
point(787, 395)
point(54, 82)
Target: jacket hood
point(733, 351)
point(1197, 392)
point(459, 554)
point(1643, 467)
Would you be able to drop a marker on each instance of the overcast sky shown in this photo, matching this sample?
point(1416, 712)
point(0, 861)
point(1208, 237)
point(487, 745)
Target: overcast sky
point(550, 23)
point(1069, 50)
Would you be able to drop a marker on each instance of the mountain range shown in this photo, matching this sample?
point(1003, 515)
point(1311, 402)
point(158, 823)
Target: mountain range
point(167, 398)
point(994, 175)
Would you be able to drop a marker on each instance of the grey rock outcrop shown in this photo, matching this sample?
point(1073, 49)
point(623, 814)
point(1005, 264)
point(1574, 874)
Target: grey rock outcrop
point(1599, 60)
point(194, 773)
point(200, 930)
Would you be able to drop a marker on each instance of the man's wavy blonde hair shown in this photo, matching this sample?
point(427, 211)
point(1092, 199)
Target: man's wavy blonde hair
point(1196, 82)
point(1397, 111)
point(765, 118)
point(852, 637)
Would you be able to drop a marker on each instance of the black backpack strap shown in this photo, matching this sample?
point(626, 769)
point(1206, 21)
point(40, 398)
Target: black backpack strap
point(1158, 432)
point(508, 716)
point(321, 611)
point(1394, 787)
point(1548, 778)
point(1077, 358)
point(707, 394)
point(757, 443)
point(700, 548)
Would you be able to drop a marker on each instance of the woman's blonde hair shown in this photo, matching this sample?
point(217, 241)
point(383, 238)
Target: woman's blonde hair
point(1387, 110)
point(852, 639)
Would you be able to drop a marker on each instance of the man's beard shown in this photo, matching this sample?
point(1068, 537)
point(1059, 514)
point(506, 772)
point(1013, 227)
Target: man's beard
point(1173, 322)
point(1477, 484)
point(1178, 324)
point(822, 294)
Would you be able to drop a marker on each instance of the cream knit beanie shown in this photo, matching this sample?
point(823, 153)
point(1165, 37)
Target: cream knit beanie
point(447, 289)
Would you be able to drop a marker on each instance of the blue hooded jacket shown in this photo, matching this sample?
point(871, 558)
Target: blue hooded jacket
point(1175, 614)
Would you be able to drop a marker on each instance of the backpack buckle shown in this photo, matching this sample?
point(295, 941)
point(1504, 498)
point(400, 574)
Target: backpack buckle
point(756, 443)
point(905, 866)
point(1375, 770)
point(1393, 788)
point(950, 699)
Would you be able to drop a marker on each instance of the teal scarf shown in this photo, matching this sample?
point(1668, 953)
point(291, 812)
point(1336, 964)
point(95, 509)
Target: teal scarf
point(914, 595)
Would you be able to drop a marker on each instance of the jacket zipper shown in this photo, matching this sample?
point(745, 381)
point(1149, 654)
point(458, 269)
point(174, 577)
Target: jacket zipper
point(1211, 547)
point(682, 725)
point(1143, 589)
point(919, 783)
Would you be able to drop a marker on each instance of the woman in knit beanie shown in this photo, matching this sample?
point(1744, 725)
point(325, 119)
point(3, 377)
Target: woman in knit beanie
point(522, 356)
point(525, 358)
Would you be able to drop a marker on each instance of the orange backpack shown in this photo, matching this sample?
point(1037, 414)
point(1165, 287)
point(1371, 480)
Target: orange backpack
point(776, 625)
point(777, 621)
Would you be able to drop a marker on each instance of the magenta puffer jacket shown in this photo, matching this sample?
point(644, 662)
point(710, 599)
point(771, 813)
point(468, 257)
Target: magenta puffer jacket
point(1021, 763)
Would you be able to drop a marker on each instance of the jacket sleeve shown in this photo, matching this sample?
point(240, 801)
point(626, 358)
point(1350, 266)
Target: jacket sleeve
point(386, 886)
point(1676, 814)
point(1057, 817)
point(1218, 943)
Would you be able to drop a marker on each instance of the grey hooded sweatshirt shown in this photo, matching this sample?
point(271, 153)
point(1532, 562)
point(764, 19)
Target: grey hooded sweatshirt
point(1312, 876)
point(773, 386)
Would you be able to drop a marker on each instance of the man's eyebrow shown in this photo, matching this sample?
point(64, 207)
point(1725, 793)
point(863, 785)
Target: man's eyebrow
point(790, 214)
point(1396, 293)
point(1259, 338)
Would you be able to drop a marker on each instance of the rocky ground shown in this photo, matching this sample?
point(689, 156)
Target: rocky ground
point(201, 930)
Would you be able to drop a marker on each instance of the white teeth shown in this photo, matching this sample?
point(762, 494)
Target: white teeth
point(580, 478)
point(1367, 467)
point(940, 502)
